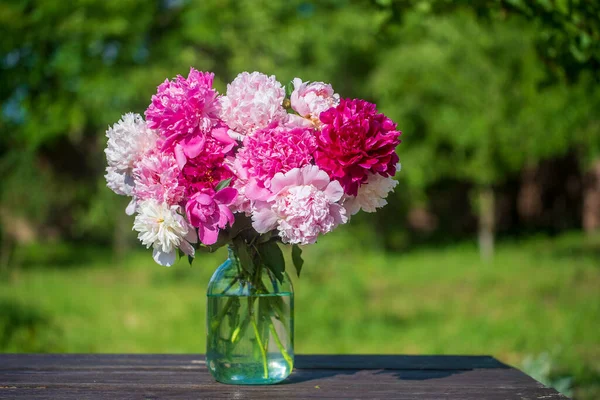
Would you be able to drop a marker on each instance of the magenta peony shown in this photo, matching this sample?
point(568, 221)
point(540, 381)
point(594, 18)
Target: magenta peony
point(183, 110)
point(276, 149)
point(210, 212)
point(356, 140)
point(303, 205)
point(205, 171)
point(253, 101)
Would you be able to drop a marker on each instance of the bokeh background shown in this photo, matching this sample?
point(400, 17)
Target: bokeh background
point(490, 244)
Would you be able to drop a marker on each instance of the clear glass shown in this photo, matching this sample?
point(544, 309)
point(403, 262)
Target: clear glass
point(250, 326)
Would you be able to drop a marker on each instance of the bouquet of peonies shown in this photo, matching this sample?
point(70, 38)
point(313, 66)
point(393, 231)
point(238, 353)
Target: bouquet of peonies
point(250, 166)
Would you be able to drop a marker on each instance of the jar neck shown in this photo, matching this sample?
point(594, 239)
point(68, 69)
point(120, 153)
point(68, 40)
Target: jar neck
point(257, 276)
point(233, 254)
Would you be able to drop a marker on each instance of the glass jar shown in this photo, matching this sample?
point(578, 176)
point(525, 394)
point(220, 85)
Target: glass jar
point(250, 325)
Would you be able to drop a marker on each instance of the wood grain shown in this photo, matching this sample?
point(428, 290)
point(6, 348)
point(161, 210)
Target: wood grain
point(116, 376)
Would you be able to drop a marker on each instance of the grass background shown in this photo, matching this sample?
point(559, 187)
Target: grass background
point(536, 306)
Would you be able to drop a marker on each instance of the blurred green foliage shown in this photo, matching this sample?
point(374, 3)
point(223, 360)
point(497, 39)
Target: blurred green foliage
point(480, 89)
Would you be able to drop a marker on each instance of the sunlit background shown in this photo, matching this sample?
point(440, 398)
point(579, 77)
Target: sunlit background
point(490, 244)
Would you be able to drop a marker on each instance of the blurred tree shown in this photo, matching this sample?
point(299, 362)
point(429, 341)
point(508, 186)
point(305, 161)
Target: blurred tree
point(69, 69)
point(473, 98)
point(567, 38)
point(566, 32)
point(468, 94)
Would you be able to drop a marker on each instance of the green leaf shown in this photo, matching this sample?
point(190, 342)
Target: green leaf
point(297, 258)
point(289, 88)
point(223, 184)
point(244, 255)
point(190, 260)
point(265, 237)
point(272, 257)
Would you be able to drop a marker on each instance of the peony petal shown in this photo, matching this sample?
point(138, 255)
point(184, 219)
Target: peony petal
point(254, 192)
point(264, 220)
point(296, 121)
point(221, 134)
point(202, 198)
point(240, 171)
point(351, 205)
point(130, 210)
point(297, 82)
point(235, 135)
point(187, 248)
point(208, 234)
point(191, 236)
point(291, 178)
point(193, 146)
point(312, 175)
point(338, 213)
point(226, 195)
point(225, 216)
point(180, 156)
point(164, 259)
point(334, 191)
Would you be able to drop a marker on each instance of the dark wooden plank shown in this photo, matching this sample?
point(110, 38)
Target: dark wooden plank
point(509, 378)
point(267, 393)
point(197, 361)
point(185, 376)
point(96, 361)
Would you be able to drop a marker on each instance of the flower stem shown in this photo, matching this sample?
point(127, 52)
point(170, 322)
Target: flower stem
point(284, 353)
point(262, 349)
point(216, 321)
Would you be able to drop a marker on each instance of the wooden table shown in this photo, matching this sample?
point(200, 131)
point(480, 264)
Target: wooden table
point(106, 376)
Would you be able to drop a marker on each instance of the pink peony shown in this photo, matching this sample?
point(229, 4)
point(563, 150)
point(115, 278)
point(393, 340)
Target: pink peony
point(183, 110)
point(355, 140)
point(242, 203)
point(205, 171)
point(302, 206)
point(276, 149)
point(218, 135)
point(296, 121)
point(311, 99)
point(156, 176)
point(210, 213)
point(253, 101)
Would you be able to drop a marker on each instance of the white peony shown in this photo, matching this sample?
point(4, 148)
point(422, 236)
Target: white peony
point(371, 195)
point(162, 227)
point(253, 101)
point(119, 181)
point(128, 140)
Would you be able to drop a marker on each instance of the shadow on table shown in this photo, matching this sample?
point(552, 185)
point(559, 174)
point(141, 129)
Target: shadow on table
point(300, 375)
point(409, 368)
